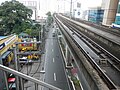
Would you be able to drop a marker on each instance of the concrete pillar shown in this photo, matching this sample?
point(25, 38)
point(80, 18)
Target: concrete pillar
point(68, 56)
point(110, 10)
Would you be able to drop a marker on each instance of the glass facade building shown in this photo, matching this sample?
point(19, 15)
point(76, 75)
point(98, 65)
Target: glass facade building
point(117, 20)
point(95, 15)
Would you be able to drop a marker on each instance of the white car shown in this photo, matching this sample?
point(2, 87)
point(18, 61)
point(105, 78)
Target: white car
point(24, 60)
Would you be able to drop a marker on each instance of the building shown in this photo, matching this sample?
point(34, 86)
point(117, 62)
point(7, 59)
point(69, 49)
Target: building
point(110, 9)
point(32, 5)
point(76, 10)
point(85, 15)
point(117, 19)
point(95, 15)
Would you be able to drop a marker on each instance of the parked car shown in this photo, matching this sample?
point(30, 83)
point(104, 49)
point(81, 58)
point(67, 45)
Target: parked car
point(11, 82)
point(53, 34)
point(11, 78)
point(12, 86)
point(24, 60)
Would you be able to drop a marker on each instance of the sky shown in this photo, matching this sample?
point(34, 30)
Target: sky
point(62, 5)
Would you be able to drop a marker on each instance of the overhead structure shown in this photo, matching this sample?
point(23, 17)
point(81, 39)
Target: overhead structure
point(110, 9)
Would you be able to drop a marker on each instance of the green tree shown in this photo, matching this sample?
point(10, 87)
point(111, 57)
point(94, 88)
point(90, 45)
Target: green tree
point(12, 16)
point(34, 31)
point(49, 18)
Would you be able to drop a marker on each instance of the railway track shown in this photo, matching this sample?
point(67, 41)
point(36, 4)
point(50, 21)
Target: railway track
point(101, 27)
point(106, 60)
point(111, 45)
point(104, 54)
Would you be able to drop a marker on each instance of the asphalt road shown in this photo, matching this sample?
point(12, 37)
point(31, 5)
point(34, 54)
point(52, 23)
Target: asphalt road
point(54, 65)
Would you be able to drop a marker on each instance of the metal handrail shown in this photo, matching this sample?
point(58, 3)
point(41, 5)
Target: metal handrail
point(21, 75)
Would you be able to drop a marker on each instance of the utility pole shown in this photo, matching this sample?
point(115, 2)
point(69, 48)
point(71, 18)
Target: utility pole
point(70, 9)
point(64, 6)
point(16, 65)
point(58, 8)
point(35, 14)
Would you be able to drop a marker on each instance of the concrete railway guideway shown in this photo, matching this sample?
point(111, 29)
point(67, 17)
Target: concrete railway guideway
point(104, 63)
point(108, 39)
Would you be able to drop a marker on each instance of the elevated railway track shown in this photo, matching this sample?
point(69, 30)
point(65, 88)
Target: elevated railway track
point(101, 27)
point(107, 65)
point(109, 40)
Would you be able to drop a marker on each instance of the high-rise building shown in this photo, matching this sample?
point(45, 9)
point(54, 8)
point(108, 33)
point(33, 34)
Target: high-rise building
point(110, 9)
point(95, 15)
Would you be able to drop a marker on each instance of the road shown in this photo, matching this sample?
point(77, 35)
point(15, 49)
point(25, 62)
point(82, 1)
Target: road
point(54, 65)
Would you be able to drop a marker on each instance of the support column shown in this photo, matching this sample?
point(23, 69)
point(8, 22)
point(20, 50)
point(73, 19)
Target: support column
point(68, 56)
point(110, 9)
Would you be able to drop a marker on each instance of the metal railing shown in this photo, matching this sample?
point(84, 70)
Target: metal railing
point(20, 76)
point(29, 78)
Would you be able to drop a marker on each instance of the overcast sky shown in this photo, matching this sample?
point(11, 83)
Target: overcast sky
point(55, 5)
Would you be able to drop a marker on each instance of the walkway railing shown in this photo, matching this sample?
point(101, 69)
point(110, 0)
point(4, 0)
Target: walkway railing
point(29, 78)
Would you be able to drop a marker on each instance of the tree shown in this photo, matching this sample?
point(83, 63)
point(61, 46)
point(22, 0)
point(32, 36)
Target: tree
point(34, 30)
point(12, 16)
point(49, 18)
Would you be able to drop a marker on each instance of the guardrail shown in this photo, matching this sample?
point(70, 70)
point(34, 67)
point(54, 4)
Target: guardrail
point(29, 78)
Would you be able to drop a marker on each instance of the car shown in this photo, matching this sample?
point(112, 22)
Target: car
point(11, 78)
point(11, 81)
point(12, 86)
point(53, 34)
point(24, 60)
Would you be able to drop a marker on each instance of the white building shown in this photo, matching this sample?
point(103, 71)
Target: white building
point(76, 10)
point(34, 5)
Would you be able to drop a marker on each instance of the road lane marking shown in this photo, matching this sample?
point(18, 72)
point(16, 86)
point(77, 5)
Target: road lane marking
point(53, 60)
point(54, 77)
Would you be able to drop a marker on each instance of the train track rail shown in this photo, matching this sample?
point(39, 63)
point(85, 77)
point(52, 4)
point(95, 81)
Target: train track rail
point(111, 60)
point(104, 54)
point(99, 34)
point(109, 43)
point(101, 27)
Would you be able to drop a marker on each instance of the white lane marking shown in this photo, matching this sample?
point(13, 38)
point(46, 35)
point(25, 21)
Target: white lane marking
point(54, 77)
point(52, 50)
point(53, 60)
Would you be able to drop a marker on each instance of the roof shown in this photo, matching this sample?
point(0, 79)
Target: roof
point(23, 34)
point(1, 37)
point(6, 54)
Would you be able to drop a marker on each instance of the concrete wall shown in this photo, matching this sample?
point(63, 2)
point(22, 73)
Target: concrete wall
point(110, 12)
